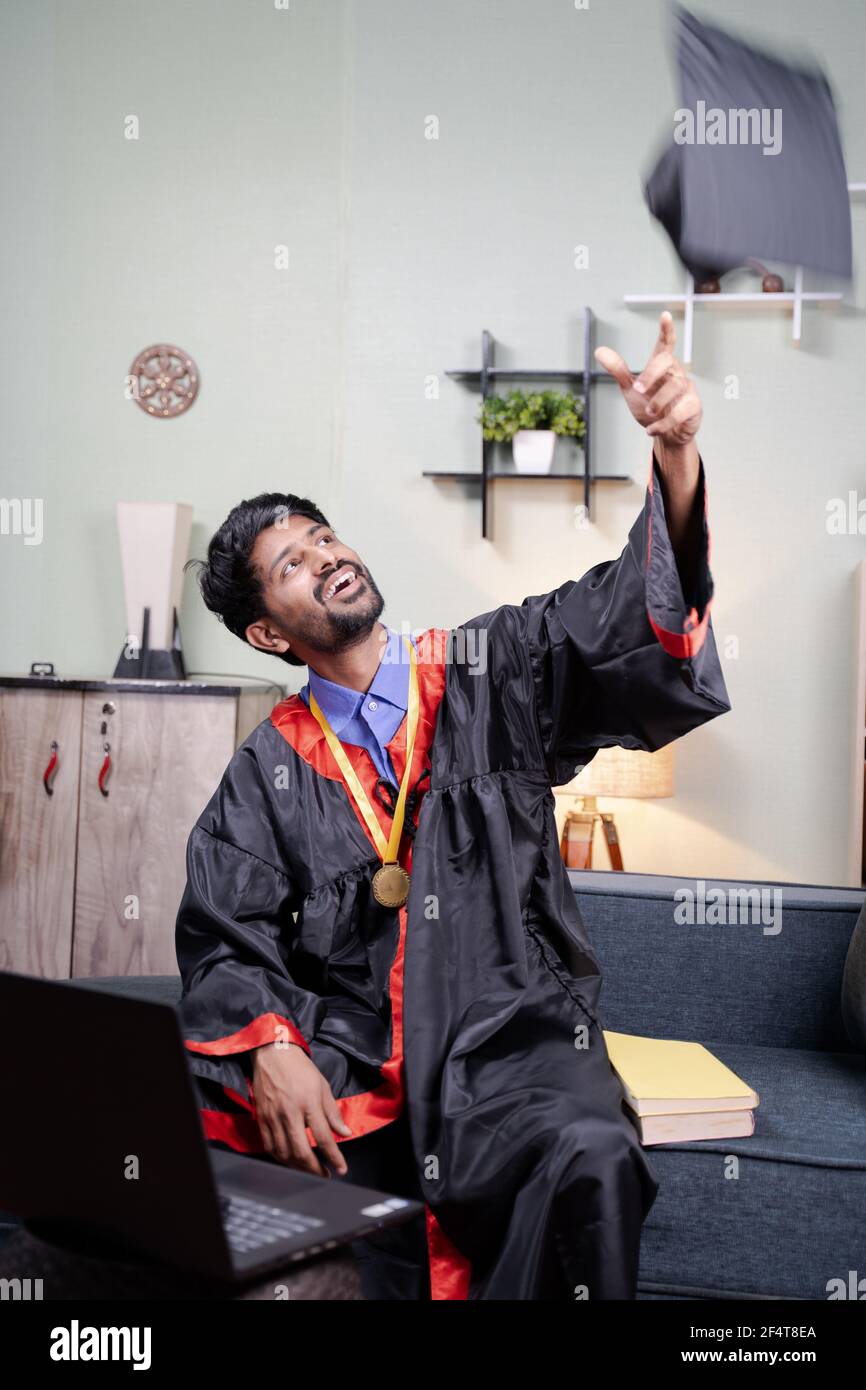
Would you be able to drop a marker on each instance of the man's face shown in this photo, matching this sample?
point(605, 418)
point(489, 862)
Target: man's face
point(309, 604)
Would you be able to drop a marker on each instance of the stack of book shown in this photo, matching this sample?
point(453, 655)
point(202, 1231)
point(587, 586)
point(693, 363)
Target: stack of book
point(679, 1091)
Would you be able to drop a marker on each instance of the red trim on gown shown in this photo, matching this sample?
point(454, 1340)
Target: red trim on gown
point(264, 1029)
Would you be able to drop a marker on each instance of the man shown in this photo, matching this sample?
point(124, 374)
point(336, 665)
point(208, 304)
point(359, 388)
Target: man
point(442, 1042)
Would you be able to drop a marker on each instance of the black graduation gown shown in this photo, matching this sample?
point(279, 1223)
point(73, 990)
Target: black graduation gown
point(476, 1005)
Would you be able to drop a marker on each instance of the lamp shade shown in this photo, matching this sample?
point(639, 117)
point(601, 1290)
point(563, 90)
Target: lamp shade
point(625, 772)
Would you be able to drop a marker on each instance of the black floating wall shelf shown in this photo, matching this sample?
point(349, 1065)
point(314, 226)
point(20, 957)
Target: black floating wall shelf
point(488, 376)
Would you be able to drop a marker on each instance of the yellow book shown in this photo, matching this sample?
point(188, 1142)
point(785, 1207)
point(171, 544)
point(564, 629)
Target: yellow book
point(661, 1076)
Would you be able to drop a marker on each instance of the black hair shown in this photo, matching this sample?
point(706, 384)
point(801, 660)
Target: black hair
point(229, 584)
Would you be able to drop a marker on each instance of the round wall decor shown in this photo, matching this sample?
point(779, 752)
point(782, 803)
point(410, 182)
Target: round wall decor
point(165, 380)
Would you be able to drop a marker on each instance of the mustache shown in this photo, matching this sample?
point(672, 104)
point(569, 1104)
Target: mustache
point(359, 569)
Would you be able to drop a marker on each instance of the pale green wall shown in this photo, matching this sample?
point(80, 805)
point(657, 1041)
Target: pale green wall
point(308, 127)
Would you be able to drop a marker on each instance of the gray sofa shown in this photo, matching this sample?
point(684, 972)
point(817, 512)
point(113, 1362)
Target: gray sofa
point(767, 1002)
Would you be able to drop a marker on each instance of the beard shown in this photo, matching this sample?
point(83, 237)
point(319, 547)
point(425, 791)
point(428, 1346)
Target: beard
point(333, 627)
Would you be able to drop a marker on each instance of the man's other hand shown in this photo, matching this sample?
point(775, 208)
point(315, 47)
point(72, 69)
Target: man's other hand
point(291, 1094)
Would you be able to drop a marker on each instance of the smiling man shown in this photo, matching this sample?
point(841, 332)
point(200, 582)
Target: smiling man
point(385, 974)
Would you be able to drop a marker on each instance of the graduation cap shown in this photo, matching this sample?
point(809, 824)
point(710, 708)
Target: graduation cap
point(755, 169)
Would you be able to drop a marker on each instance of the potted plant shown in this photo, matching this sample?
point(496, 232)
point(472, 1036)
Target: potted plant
point(532, 422)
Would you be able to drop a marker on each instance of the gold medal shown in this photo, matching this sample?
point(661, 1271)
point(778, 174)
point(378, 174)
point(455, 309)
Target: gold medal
point(391, 881)
point(391, 885)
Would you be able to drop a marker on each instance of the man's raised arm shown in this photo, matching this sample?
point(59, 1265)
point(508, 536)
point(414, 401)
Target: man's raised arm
point(626, 654)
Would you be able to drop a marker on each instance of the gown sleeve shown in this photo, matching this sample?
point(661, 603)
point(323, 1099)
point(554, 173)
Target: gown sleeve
point(234, 929)
point(622, 656)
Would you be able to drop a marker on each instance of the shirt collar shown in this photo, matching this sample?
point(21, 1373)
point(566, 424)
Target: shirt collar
point(391, 681)
point(340, 703)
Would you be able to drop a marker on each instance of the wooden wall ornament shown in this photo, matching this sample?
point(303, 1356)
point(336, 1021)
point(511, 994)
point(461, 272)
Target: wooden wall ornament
point(165, 380)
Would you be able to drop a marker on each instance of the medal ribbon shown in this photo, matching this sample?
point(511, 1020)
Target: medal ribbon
point(387, 848)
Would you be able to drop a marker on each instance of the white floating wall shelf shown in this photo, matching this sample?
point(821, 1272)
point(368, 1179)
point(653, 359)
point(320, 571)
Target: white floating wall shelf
point(789, 301)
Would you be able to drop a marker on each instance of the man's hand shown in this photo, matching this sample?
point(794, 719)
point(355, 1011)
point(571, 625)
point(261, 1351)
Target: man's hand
point(291, 1094)
point(662, 398)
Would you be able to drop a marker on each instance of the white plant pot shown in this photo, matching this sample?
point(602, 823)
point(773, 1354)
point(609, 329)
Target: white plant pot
point(533, 450)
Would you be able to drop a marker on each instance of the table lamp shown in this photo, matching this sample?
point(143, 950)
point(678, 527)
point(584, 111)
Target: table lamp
point(612, 772)
point(154, 541)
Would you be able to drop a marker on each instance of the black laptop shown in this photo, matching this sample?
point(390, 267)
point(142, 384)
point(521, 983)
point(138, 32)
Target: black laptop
point(104, 1146)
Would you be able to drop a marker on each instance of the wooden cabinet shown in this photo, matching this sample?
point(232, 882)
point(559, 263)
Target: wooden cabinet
point(92, 852)
point(38, 832)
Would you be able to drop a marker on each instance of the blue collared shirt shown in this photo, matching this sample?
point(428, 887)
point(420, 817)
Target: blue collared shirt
point(370, 718)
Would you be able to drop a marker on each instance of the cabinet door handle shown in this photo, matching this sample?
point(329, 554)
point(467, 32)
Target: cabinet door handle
point(105, 769)
point(48, 774)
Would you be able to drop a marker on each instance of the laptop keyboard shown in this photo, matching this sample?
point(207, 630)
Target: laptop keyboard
point(251, 1225)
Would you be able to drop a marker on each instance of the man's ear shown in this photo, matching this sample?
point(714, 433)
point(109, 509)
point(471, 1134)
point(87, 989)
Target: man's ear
point(260, 634)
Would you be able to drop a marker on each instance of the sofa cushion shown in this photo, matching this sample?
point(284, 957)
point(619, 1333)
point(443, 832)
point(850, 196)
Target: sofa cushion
point(793, 1219)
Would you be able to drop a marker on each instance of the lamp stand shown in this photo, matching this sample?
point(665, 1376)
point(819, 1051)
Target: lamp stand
point(576, 847)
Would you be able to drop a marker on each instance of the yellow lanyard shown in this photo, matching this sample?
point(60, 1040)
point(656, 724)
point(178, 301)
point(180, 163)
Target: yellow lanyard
point(387, 848)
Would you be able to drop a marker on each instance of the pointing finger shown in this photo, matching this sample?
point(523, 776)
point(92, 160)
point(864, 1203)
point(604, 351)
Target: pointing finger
point(667, 338)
